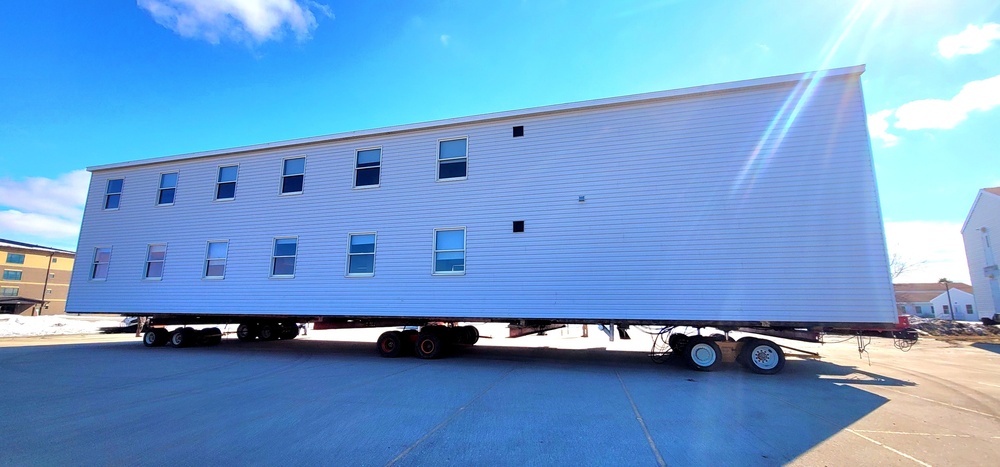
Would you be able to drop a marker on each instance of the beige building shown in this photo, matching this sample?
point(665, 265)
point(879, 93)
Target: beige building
point(35, 278)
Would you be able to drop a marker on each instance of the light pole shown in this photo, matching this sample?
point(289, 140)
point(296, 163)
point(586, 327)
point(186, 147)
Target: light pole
point(947, 290)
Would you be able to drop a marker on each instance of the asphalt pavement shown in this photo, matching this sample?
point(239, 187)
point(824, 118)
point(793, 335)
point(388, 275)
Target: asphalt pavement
point(326, 399)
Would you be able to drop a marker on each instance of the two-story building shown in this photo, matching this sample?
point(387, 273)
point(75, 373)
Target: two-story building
point(35, 278)
point(980, 233)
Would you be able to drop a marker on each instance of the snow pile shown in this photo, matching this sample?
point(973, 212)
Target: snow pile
point(22, 326)
point(943, 327)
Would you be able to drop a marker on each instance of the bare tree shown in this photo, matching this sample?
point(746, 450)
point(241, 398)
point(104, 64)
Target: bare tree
point(899, 266)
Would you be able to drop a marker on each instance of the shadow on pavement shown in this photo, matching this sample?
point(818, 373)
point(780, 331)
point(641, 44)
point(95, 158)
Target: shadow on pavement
point(995, 348)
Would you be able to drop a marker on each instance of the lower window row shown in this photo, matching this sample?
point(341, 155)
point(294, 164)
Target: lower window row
point(448, 256)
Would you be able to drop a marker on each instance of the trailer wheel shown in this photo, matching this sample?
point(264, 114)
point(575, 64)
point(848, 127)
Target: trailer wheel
point(702, 353)
point(471, 335)
point(390, 344)
point(429, 345)
point(182, 337)
point(155, 337)
point(763, 357)
point(269, 331)
point(211, 336)
point(289, 330)
point(246, 332)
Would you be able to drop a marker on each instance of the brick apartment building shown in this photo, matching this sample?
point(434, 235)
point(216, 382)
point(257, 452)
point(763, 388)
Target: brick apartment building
point(35, 278)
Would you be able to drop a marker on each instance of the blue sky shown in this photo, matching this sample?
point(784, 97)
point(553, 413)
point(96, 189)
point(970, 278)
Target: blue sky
point(88, 83)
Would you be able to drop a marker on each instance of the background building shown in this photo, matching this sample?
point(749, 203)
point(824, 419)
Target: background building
point(930, 300)
point(35, 278)
point(979, 233)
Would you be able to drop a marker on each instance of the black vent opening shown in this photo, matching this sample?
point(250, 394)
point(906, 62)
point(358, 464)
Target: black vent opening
point(518, 131)
point(518, 226)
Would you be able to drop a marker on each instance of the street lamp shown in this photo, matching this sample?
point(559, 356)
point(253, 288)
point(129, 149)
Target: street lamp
point(947, 290)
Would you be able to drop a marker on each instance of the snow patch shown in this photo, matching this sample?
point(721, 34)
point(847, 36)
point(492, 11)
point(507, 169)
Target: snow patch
point(24, 326)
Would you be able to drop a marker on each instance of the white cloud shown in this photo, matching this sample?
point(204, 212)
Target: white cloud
point(878, 127)
point(251, 21)
point(936, 248)
point(937, 114)
point(445, 39)
point(973, 40)
point(44, 210)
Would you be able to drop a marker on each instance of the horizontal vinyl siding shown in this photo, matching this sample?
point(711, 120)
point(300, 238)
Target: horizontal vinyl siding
point(681, 220)
point(986, 213)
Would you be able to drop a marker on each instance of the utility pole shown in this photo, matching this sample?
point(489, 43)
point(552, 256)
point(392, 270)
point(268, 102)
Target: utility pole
point(947, 290)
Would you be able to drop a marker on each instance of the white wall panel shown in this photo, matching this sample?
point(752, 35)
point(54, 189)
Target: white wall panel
point(698, 207)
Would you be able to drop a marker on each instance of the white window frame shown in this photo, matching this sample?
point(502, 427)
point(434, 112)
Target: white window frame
point(17, 291)
point(19, 277)
point(218, 173)
point(225, 260)
point(295, 258)
point(145, 264)
point(347, 265)
point(437, 166)
point(281, 179)
point(94, 263)
point(357, 169)
point(464, 250)
point(160, 188)
point(107, 194)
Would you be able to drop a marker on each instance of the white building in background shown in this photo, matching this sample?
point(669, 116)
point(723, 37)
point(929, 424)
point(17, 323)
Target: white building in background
point(980, 232)
point(930, 300)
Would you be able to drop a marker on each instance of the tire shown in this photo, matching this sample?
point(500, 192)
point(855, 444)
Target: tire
point(247, 332)
point(155, 337)
point(289, 330)
point(390, 344)
point(269, 331)
point(210, 336)
point(764, 357)
point(702, 353)
point(742, 357)
point(429, 345)
point(471, 335)
point(182, 337)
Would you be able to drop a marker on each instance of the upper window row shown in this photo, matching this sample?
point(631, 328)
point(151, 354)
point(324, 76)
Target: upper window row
point(15, 258)
point(453, 161)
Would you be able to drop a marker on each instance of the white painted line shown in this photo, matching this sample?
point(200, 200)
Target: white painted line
point(642, 423)
point(901, 453)
point(944, 403)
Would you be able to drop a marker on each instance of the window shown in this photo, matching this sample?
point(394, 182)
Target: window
point(452, 159)
point(155, 255)
point(52, 275)
point(9, 275)
point(168, 184)
point(54, 260)
point(367, 165)
point(945, 309)
point(449, 251)
point(225, 185)
point(9, 291)
point(113, 193)
point(283, 257)
point(292, 173)
point(919, 309)
point(361, 254)
point(14, 258)
point(215, 260)
point(102, 257)
point(968, 309)
point(49, 291)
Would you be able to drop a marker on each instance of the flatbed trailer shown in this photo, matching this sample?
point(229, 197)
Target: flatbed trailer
point(749, 205)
